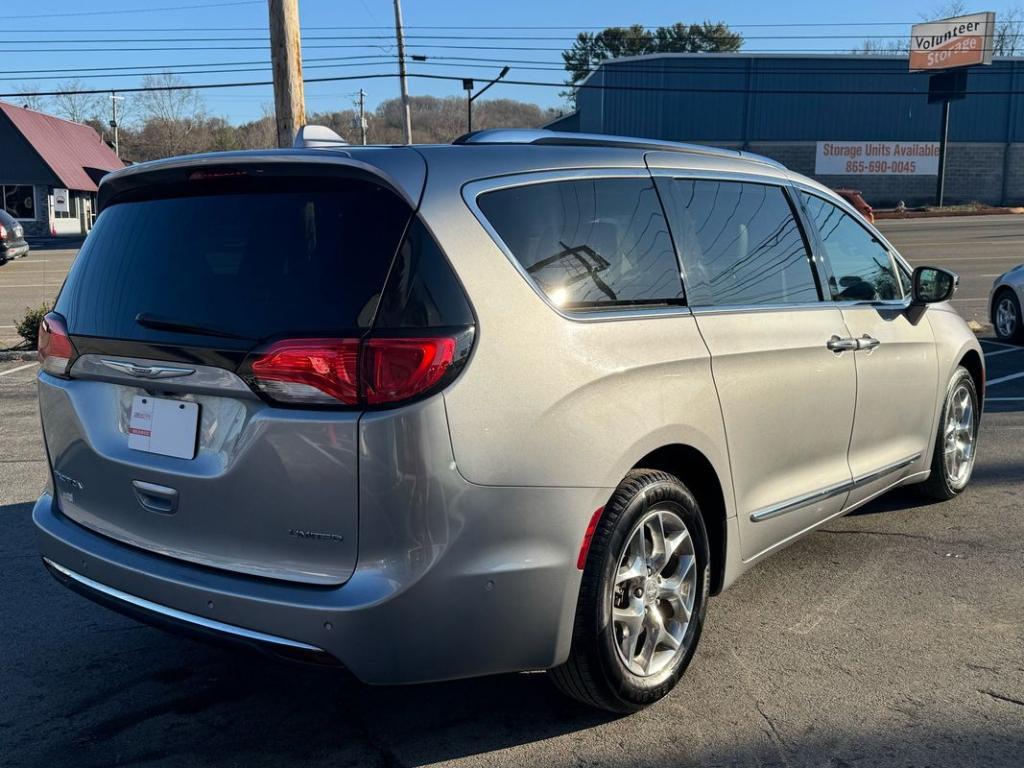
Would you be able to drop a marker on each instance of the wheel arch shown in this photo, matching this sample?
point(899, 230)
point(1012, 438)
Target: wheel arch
point(697, 472)
point(971, 360)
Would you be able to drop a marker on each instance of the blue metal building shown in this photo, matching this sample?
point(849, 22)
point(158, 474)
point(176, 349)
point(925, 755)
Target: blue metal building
point(782, 105)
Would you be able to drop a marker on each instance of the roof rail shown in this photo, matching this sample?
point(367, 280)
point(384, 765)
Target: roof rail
point(317, 137)
point(569, 139)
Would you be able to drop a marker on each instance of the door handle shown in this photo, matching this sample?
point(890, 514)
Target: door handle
point(837, 344)
point(867, 342)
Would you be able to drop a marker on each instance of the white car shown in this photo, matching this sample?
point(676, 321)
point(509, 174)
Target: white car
point(1004, 304)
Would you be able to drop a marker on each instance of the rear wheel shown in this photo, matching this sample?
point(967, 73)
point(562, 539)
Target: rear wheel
point(643, 596)
point(1006, 316)
point(956, 441)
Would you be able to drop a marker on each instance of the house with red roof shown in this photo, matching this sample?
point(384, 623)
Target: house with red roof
point(49, 171)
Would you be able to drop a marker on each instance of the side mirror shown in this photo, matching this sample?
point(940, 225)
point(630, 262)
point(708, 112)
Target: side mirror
point(934, 284)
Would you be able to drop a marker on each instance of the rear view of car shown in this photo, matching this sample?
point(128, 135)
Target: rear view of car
point(12, 238)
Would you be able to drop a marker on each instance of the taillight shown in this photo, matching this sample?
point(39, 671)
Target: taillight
point(397, 369)
point(3, 232)
point(315, 371)
point(56, 352)
point(373, 371)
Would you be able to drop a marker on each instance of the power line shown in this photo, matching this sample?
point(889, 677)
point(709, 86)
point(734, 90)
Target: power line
point(139, 10)
point(264, 38)
point(536, 83)
point(581, 28)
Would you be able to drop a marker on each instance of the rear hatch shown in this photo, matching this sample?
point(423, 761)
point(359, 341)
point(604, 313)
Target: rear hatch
point(160, 432)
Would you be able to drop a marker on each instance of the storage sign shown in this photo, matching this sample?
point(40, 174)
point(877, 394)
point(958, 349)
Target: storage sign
point(957, 42)
point(877, 158)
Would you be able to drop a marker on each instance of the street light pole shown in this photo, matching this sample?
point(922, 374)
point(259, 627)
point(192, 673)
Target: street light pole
point(114, 98)
point(471, 97)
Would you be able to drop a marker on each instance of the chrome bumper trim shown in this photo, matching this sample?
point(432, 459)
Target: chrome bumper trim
point(182, 616)
point(767, 513)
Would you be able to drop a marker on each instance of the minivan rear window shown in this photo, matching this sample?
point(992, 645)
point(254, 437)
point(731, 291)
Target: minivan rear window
point(301, 257)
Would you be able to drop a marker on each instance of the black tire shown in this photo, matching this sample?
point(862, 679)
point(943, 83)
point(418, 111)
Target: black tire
point(595, 673)
point(1017, 334)
point(939, 485)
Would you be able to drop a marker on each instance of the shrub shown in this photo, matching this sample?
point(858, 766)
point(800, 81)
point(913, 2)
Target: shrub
point(28, 326)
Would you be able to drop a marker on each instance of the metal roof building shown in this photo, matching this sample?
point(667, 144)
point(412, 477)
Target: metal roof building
point(49, 170)
point(787, 106)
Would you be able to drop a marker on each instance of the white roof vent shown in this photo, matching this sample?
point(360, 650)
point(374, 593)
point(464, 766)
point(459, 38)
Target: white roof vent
point(314, 136)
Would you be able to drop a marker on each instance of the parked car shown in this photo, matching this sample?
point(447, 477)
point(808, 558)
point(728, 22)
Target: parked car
point(856, 198)
point(12, 238)
point(457, 413)
point(1004, 305)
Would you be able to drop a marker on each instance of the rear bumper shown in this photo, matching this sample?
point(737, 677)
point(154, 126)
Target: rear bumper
point(14, 251)
point(484, 597)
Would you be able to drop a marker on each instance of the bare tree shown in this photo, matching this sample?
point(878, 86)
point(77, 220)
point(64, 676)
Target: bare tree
point(72, 103)
point(1009, 35)
point(28, 99)
point(1007, 39)
point(171, 113)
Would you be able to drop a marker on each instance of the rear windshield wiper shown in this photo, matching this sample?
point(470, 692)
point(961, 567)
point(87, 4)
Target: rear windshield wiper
point(147, 320)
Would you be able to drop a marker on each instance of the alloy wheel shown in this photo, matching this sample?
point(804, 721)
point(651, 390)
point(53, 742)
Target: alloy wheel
point(654, 592)
point(959, 436)
point(1006, 317)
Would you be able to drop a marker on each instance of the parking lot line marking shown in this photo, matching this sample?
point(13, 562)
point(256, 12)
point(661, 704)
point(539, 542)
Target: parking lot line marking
point(998, 343)
point(1004, 351)
point(19, 368)
point(1001, 379)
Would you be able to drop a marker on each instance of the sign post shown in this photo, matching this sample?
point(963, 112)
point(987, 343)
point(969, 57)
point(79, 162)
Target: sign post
point(948, 47)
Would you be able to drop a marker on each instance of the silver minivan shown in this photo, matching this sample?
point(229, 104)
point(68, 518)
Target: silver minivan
point(523, 402)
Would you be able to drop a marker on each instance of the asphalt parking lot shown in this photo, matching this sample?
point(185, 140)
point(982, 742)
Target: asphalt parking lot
point(892, 637)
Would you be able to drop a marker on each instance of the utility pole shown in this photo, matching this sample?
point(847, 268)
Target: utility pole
point(940, 184)
point(114, 98)
point(362, 116)
point(406, 114)
point(286, 59)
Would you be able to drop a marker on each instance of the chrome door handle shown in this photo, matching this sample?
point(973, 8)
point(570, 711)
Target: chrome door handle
point(837, 344)
point(867, 342)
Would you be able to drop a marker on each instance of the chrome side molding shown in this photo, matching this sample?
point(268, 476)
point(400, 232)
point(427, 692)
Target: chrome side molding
point(181, 616)
point(798, 502)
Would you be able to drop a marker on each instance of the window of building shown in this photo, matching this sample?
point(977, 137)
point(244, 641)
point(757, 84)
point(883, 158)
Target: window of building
point(740, 243)
point(589, 243)
point(19, 200)
point(862, 268)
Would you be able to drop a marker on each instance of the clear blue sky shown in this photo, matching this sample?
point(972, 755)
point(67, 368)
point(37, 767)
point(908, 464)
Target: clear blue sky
point(101, 31)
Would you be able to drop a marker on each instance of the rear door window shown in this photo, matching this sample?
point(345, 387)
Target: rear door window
point(299, 257)
point(862, 268)
point(739, 243)
point(589, 243)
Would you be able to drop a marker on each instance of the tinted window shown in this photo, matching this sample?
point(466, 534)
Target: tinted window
point(862, 270)
point(422, 291)
point(309, 259)
point(739, 243)
point(589, 243)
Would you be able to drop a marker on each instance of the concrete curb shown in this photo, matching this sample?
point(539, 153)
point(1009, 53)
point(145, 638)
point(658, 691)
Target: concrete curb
point(28, 355)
